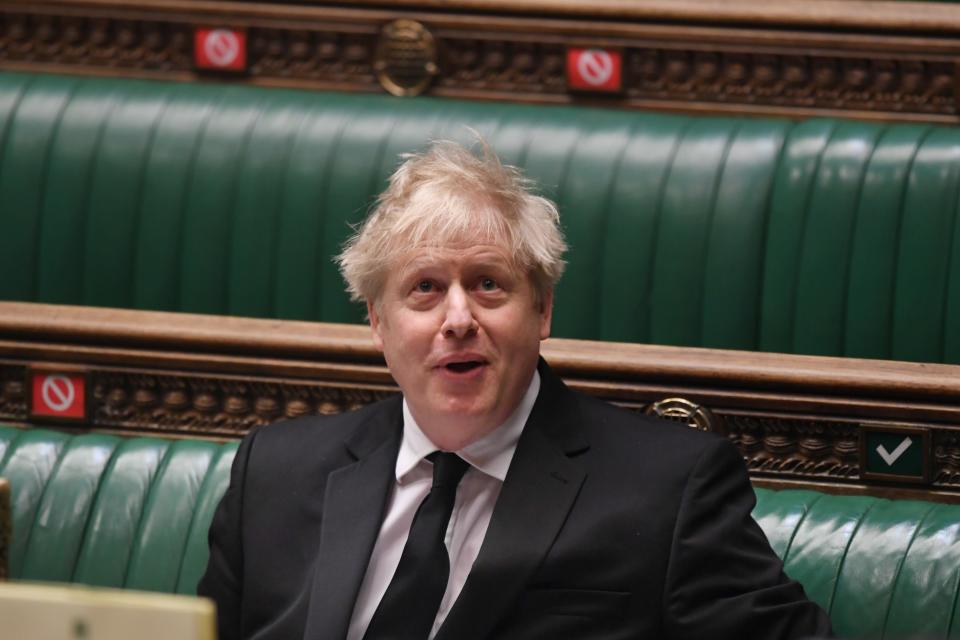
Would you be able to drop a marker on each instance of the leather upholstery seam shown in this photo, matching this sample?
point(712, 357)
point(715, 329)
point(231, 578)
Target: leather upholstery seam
point(891, 312)
point(94, 498)
point(846, 550)
point(141, 180)
point(707, 245)
point(807, 197)
point(658, 215)
point(900, 563)
point(803, 518)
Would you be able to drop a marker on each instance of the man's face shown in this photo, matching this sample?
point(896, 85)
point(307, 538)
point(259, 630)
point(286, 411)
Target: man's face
point(460, 330)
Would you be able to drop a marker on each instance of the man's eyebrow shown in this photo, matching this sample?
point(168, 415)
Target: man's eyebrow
point(498, 264)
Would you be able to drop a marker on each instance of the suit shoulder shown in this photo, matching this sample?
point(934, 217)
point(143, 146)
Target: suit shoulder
point(613, 426)
point(315, 432)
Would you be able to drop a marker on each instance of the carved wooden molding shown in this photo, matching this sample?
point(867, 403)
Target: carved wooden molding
point(215, 405)
point(13, 392)
point(795, 418)
point(888, 60)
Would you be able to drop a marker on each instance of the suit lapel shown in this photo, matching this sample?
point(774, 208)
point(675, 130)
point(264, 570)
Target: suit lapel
point(537, 494)
point(354, 500)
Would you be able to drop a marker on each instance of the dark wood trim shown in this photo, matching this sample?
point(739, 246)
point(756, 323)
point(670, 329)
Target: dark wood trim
point(894, 15)
point(584, 359)
point(795, 418)
point(894, 61)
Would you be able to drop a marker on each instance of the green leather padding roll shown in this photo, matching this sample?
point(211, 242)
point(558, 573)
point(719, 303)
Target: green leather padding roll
point(685, 220)
point(630, 242)
point(114, 520)
point(881, 568)
point(821, 278)
point(929, 233)
point(30, 461)
point(112, 511)
point(823, 236)
point(196, 551)
point(927, 579)
point(35, 109)
point(61, 518)
point(874, 249)
point(785, 236)
point(168, 512)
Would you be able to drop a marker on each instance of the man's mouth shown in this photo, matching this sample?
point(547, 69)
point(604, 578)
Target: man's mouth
point(463, 367)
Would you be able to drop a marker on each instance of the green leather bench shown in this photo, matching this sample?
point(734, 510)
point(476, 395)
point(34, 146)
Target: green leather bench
point(824, 237)
point(133, 512)
point(112, 511)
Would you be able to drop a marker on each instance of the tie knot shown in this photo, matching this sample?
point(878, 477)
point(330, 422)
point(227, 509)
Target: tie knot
point(448, 468)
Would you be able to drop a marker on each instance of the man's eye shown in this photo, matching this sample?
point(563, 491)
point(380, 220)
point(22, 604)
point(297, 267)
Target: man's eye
point(424, 286)
point(488, 284)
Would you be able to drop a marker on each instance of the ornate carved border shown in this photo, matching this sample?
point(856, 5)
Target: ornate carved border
point(211, 405)
point(795, 418)
point(699, 56)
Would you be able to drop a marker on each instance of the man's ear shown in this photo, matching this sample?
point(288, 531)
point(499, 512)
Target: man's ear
point(546, 314)
point(375, 325)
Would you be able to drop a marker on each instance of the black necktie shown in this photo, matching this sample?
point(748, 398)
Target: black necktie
point(410, 605)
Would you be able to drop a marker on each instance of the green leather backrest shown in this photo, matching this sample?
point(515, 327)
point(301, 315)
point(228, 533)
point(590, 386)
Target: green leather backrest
point(112, 511)
point(824, 237)
point(880, 568)
point(134, 512)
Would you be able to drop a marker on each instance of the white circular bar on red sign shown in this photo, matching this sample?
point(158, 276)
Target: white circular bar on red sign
point(58, 392)
point(221, 47)
point(595, 67)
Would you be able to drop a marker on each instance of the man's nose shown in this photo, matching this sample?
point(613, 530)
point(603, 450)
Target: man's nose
point(459, 321)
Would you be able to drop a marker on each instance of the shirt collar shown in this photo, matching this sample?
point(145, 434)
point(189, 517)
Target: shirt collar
point(490, 454)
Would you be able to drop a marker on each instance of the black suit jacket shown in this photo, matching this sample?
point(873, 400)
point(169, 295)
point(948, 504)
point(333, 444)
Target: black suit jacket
point(609, 525)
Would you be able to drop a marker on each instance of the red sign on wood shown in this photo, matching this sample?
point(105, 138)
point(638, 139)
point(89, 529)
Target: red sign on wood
point(59, 395)
point(594, 70)
point(222, 49)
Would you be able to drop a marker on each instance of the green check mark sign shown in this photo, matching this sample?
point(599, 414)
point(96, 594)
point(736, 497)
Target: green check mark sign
point(892, 456)
point(894, 453)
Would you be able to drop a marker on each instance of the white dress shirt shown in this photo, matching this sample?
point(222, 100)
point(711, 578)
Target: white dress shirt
point(477, 494)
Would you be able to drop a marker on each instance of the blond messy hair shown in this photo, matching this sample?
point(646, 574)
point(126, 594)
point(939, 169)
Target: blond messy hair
point(448, 196)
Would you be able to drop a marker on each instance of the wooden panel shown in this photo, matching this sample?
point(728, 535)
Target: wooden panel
point(795, 418)
point(880, 60)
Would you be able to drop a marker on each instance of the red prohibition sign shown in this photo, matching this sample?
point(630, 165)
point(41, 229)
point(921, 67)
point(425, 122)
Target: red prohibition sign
point(595, 66)
point(594, 69)
point(58, 395)
point(222, 47)
point(58, 392)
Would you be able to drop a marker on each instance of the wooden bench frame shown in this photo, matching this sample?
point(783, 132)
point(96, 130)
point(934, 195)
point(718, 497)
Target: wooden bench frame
point(799, 420)
point(889, 60)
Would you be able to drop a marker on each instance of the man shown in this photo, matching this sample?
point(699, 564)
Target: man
point(545, 514)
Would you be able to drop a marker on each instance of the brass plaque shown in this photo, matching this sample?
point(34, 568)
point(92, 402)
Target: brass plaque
point(682, 410)
point(406, 58)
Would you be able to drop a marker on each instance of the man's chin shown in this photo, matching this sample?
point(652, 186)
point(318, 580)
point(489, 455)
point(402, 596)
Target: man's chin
point(459, 423)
